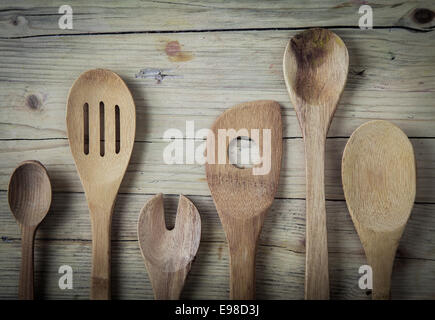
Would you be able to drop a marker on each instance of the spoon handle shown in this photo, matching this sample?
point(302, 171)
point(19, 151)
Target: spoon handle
point(167, 285)
point(316, 263)
point(382, 279)
point(380, 251)
point(100, 277)
point(25, 290)
point(242, 241)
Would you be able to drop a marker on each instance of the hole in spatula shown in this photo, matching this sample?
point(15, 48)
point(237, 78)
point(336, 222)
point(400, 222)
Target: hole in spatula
point(86, 128)
point(243, 152)
point(117, 130)
point(102, 129)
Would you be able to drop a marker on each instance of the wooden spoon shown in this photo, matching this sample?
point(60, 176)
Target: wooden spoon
point(168, 254)
point(379, 178)
point(101, 125)
point(29, 196)
point(241, 197)
point(315, 70)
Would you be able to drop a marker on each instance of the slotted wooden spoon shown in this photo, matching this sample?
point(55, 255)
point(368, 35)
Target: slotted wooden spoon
point(242, 198)
point(168, 254)
point(379, 182)
point(315, 70)
point(101, 111)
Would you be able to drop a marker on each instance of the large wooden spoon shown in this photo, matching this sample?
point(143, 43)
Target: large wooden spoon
point(29, 196)
point(379, 178)
point(101, 125)
point(242, 198)
point(315, 71)
point(168, 254)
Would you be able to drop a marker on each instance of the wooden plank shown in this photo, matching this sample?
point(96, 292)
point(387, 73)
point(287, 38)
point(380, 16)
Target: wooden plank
point(280, 273)
point(390, 78)
point(64, 238)
point(284, 225)
point(24, 18)
point(147, 173)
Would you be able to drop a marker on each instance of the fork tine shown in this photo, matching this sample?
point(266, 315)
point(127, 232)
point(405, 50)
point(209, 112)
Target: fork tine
point(187, 215)
point(153, 211)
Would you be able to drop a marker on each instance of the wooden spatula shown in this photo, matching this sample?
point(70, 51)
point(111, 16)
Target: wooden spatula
point(315, 71)
point(168, 254)
point(379, 182)
point(101, 125)
point(242, 198)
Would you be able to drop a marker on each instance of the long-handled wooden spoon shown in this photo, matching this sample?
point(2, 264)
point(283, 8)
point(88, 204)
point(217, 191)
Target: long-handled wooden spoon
point(101, 124)
point(242, 198)
point(315, 71)
point(379, 178)
point(168, 254)
point(29, 196)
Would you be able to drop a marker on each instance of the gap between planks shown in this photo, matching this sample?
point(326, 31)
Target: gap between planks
point(207, 196)
point(210, 31)
point(89, 241)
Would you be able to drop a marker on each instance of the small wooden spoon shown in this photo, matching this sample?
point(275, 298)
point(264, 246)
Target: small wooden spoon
point(315, 70)
point(168, 254)
point(379, 178)
point(29, 196)
point(242, 198)
point(101, 125)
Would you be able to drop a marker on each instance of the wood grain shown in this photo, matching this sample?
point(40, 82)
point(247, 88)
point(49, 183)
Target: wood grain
point(100, 164)
point(22, 18)
point(280, 257)
point(379, 177)
point(168, 253)
point(196, 75)
point(390, 78)
point(147, 172)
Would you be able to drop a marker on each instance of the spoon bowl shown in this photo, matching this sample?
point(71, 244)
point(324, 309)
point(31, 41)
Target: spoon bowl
point(29, 196)
point(29, 193)
point(315, 68)
point(379, 183)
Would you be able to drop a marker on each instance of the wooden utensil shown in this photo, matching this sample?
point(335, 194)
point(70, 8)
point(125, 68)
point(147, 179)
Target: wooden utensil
point(101, 125)
point(315, 70)
point(168, 254)
point(379, 182)
point(29, 196)
point(242, 198)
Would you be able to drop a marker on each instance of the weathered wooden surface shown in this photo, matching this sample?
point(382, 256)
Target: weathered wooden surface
point(147, 173)
point(25, 18)
point(390, 77)
point(231, 53)
point(64, 238)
